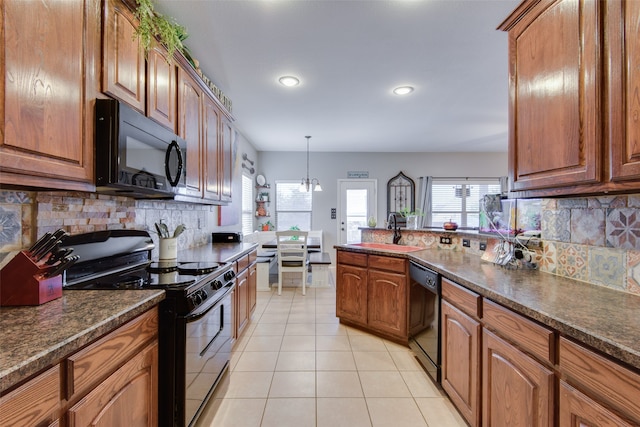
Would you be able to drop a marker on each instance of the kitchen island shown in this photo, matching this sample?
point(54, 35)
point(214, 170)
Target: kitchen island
point(603, 318)
point(570, 349)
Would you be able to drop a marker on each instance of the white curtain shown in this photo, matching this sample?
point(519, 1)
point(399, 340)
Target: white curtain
point(424, 201)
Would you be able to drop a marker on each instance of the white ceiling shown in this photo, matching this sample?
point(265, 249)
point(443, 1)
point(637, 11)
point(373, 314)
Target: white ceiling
point(349, 55)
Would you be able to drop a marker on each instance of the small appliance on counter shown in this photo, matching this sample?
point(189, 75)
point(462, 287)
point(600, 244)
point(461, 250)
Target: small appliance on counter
point(226, 237)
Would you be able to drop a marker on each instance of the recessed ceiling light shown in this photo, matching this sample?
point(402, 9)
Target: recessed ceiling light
point(289, 81)
point(403, 90)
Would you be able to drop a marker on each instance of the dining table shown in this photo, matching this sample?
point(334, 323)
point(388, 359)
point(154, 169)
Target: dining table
point(313, 244)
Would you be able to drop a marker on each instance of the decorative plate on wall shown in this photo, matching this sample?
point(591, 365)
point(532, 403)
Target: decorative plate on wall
point(260, 180)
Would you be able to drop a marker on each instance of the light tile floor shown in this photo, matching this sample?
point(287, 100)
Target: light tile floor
point(296, 365)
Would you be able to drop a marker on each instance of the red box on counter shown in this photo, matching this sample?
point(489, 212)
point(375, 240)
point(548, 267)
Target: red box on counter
point(23, 282)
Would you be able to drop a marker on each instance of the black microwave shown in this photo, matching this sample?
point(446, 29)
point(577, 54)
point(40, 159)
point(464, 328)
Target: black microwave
point(136, 156)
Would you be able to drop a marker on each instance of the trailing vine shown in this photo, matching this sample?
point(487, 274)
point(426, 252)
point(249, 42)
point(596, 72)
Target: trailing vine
point(152, 24)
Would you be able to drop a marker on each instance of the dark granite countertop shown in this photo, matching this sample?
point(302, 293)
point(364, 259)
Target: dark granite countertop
point(606, 319)
point(35, 337)
point(219, 252)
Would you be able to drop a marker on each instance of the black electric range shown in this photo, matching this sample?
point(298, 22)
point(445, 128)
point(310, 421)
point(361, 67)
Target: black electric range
point(196, 317)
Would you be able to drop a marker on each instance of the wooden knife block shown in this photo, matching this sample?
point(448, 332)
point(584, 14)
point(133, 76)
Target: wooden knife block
point(22, 282)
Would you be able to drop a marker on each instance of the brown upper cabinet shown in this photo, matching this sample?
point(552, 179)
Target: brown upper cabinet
point(573, 119)
point(90, 48)
point(123, 64)
point(48, 87)
point(161, 87)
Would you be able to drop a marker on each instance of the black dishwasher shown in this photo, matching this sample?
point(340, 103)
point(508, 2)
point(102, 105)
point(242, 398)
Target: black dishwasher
point(424, 318)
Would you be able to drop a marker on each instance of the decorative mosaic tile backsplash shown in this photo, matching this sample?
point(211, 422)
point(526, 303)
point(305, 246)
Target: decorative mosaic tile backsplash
point(24, 216)
point(591, 239)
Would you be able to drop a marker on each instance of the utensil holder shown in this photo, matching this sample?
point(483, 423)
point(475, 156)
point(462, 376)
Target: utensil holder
point(23, 282)
point(168, 248)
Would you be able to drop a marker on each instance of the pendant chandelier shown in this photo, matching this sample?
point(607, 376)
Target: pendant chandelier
point(307, 183)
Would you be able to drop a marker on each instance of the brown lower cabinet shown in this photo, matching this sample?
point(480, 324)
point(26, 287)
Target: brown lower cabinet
point(524, 374)
point(461, 335)
point(516, 389)
point(111, 382)
point(244, 297)
point(372, 293)
point(578, 410)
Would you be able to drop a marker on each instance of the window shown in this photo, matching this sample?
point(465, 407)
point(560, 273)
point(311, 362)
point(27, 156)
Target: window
point(293, 206)
point(247, 205)
point(459, 201)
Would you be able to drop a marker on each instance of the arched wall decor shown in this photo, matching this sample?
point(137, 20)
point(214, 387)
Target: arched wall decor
point(400, 196)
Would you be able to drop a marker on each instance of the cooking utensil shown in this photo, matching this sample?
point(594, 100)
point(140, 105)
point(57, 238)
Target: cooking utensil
point(165, 230)
point(44, 248)
point(179, 230)
point(65, 263)
point(49, 249)
point(41, 241)
point(58, 255)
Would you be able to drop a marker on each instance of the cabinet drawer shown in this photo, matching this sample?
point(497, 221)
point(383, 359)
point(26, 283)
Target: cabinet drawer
point(243, 262)
point(462, 298)
point(601, 378)
point(352, 258)
point(33, 403)
point(387, 263)
point(526, 334)
point(92, 364)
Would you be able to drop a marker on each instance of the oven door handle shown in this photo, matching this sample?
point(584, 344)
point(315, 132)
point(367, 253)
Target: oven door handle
point(205, 308)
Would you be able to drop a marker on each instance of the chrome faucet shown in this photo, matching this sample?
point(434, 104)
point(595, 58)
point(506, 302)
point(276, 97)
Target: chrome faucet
point(393, 224)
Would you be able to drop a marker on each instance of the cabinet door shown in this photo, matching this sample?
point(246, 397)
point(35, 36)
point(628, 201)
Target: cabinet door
point(554, 75)
point(123, 65)
point(212, 146)
point(189, 128)
point(351, 293)
point(43, 64)
point(516, 390)
point(461, 361)
point(36, 402)
point(242, 301)
point(129, 397)
point(578, 410)
point(623, 21)
point(387, 302)
point(161, 84)
point(253, 287)
point(228, 139)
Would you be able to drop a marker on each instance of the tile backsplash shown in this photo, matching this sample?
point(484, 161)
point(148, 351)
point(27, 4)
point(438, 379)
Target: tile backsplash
point(591, 239)
point(24, 216)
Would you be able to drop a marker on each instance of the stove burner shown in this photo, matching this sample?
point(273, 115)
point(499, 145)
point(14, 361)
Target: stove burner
point(197, 268)
point(162, 267)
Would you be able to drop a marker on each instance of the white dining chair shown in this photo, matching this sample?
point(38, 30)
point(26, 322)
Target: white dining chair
point(292, 255)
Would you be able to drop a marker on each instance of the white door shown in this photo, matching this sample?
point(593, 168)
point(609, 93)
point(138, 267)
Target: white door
point(356, 203)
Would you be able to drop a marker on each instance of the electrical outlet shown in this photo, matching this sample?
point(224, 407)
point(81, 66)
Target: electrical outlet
point(483, 246)
point(445, 240)
point(466, 243)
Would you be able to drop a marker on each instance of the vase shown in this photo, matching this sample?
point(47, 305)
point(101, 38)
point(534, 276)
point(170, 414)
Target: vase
point(412, 222)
